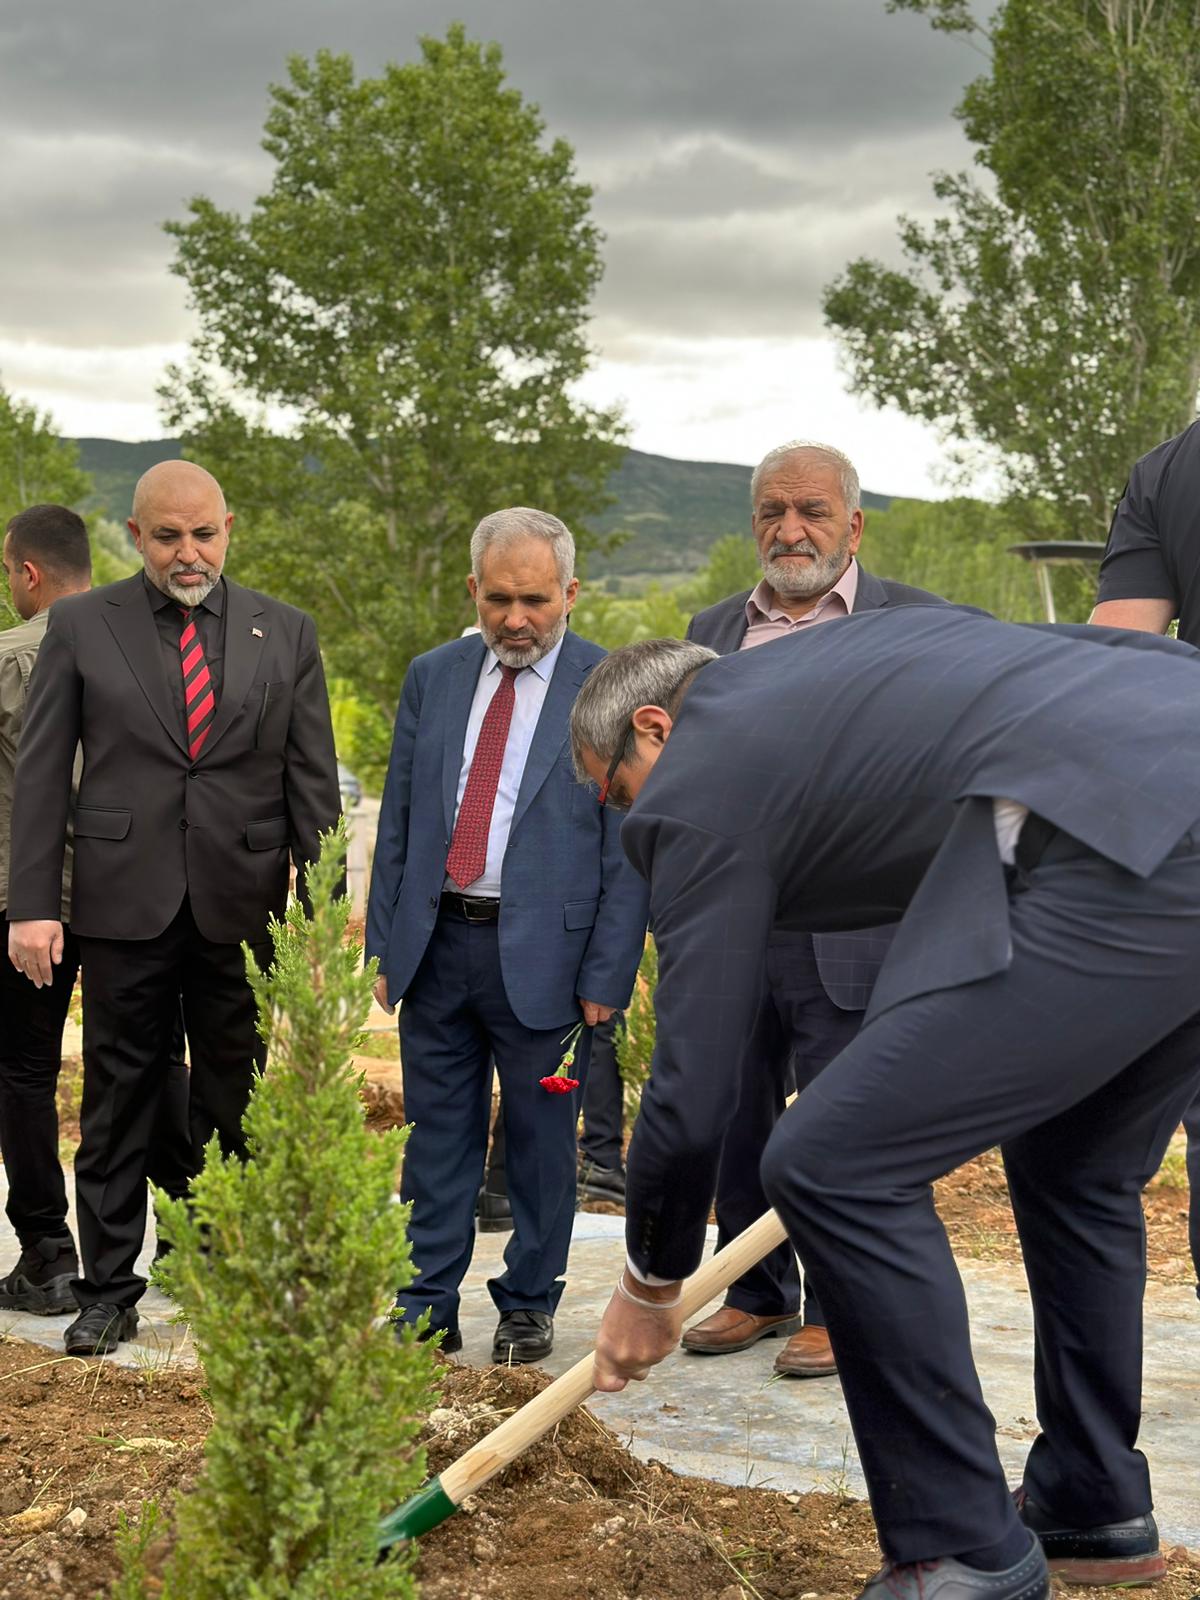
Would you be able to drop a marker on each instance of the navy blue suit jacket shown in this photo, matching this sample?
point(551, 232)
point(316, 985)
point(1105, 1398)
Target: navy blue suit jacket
point(572, 910)
point(909, 721)
point(848, 963)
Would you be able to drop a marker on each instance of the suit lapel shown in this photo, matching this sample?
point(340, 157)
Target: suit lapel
point(131, 619)
point(243, 651)
point(464, 675)
point(551, 731)
point(870, 595)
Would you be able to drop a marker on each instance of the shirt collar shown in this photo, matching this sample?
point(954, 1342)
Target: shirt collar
point(544, 668)
point(213, 601)
point(761, 604)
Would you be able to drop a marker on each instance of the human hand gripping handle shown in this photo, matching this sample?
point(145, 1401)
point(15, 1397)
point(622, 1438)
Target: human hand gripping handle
point(641, 1325)
point(36, 948)
point(381, 994)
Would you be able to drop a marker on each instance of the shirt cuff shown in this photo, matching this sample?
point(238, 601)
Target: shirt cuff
point(648, 1278)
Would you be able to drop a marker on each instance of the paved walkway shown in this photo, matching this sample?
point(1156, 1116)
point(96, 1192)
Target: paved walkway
point(727, 1418)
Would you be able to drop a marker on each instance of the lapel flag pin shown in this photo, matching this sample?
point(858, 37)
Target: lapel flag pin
point(257, 632)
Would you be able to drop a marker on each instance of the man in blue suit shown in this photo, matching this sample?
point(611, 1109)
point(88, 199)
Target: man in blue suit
point(1028, 805)
point(807, 520)
point(504, 915)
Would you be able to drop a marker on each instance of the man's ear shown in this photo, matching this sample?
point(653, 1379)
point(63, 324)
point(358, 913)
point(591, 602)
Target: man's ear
point(654, 722)
point(472, 586)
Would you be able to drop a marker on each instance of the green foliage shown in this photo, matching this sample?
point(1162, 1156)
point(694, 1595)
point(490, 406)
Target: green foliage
point(286, 1267)
point(133, 1541)
point(635, 1041)
point(36, 466)
point(425, 346)
point(1053, 319)
point(113, 553)
point(362, 732)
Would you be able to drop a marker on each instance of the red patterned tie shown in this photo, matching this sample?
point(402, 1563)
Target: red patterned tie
point(468, 848)
point(200, 703)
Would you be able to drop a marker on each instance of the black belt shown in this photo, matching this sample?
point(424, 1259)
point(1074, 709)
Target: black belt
point(1036, 833)
point(470, 908)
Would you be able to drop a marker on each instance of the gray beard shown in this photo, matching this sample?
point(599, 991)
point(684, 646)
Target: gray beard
point(184, 594)
point(797, 582)
point(524, 658)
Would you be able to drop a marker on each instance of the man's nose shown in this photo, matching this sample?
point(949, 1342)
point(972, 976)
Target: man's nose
point(185, 552)
point(515, 621)
point(792, 529)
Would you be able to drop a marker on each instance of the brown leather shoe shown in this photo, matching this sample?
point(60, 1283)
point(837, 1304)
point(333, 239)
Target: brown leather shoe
point(729, 1329)
point(807, 1354)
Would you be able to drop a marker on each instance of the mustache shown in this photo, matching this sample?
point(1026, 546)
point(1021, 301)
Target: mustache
point(198, 569)
point(804, 548)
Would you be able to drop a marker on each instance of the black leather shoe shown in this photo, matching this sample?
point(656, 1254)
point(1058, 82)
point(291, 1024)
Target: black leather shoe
point(493, 1213)
point(450, 1345)
point(41, 1280)
point(100, 1328)
point(951, 1579)
point(601, 1183)
point(523, 1336)
point(1113, 1552)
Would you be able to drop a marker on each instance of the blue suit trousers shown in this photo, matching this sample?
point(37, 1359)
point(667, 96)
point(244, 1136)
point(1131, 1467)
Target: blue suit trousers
point(455, 1021)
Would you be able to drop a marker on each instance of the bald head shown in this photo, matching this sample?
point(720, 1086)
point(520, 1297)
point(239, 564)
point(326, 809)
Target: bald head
point(181, 529)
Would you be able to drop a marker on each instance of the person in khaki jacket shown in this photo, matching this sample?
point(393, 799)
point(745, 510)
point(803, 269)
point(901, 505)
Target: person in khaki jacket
point(46, 556)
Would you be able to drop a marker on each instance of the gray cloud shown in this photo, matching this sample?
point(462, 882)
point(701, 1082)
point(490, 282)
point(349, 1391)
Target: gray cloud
point(741, 152)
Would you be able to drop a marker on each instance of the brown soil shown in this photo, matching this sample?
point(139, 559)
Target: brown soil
point(577, 1516)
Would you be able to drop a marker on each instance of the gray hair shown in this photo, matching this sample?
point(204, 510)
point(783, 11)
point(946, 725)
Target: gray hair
point(825, 453)
point(515, 523)
point(653, 672)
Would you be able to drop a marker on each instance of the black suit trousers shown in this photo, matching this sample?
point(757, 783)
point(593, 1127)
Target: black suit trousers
point(1078, 1060)
point(798, 1033)
point(132, 991)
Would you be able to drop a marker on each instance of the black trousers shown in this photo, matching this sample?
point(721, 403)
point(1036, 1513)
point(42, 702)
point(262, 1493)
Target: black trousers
point(1079, 1061)
point(602, 1140)
point(1191, 1121)
point(132, 991)
point(799, 1031)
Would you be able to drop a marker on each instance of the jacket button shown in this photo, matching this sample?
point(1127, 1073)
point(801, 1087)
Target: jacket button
point(193, 772)
point(433, 900)
point(183, 822)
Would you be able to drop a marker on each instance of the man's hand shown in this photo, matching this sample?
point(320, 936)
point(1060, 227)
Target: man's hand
point(634, 1338)
point(36, 948)
point(594, 1014)
point(381, 994)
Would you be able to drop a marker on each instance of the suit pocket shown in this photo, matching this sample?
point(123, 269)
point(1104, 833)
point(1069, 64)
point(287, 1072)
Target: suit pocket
point(102, 822)
point(580, 913)
point(272, 833)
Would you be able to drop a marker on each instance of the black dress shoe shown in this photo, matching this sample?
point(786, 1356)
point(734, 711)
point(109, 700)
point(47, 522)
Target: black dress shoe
point(100, 1328)
point(493, 1212)
point(450, 1345)
point(523, 1336)
point(1112, 1553)
point(951, 1579)
point(601, 1183)
point(41, 1280)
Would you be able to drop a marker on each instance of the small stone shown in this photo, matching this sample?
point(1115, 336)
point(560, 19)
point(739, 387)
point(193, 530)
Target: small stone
point(54, 1571)
point(727, 1500)
point(75, 1519)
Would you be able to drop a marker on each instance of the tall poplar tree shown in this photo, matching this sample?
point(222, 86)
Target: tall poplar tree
point(412, 291)
point(1053, 314)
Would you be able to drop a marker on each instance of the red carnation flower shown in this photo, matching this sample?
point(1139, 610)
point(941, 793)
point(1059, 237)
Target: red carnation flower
point(558, 1081)
point(559, 1084)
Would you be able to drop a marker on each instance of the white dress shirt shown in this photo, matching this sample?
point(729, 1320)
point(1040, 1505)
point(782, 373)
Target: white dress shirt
point(530, 685)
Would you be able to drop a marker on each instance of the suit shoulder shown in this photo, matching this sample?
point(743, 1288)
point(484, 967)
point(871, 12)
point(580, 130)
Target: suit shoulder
point(733, 605)
point(574, 644)
point(296, 616)
point(444, 656)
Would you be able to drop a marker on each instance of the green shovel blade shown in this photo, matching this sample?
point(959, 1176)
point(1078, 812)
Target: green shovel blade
point(424, 1511)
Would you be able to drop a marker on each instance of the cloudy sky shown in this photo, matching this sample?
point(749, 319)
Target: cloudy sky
point(742, 152)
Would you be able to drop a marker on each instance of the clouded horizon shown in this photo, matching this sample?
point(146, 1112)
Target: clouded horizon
point(741, 156)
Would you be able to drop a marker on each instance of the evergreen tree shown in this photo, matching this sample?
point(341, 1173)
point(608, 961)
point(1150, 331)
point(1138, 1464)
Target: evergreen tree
point(286, 1267)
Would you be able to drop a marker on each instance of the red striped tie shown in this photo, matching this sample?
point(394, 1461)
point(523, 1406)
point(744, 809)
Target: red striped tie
point(468, 847)
point(200, 703)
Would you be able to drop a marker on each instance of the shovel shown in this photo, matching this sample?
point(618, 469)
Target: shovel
point(441, 1496)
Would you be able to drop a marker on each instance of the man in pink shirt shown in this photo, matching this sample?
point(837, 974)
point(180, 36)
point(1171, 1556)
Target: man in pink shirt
point(808, 523)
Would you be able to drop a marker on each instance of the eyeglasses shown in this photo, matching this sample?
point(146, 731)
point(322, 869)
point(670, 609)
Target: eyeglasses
point(614, 763)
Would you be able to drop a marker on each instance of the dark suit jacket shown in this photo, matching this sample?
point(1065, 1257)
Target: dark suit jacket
point(908, 722)
point(848, 963)
point(573, 911)
point(151, 825)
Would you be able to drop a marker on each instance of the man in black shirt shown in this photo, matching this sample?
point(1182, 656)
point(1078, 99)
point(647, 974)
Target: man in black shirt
point(1150, 576)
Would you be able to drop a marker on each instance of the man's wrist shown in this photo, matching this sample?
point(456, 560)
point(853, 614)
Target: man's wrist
point(666, 1294)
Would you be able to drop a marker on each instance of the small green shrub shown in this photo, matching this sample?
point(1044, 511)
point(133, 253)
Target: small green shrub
point(635, 1041)
point(286, 1267)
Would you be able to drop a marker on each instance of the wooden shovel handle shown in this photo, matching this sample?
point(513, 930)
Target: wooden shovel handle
point(526, 1426)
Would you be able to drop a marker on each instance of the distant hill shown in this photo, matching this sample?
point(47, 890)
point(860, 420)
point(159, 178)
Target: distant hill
point(666, 512)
